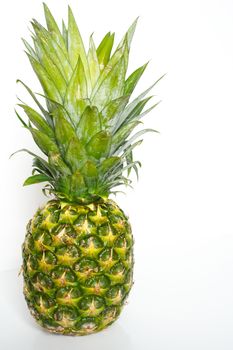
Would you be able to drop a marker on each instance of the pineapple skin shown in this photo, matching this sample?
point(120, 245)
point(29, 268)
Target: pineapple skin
point(77, 266)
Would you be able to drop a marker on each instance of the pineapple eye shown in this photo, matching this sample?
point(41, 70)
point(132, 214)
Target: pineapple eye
point(116, 294)
point(66, 316)
point(117, 269)
point(91, 305)
point(68, 294)
point(37, 221)
point(68, 216)
point(63, 275)
point(70, 251)
point(91, 241)
point(30, 263)
point(110, 314)
point(87, 325)
point(44, 302)
point(98, 282)
point(42, 239)
point(41, 282)
point(86, 265)
point(122, 242)
point(97, 302)
point(108, 254)
point(47, 257)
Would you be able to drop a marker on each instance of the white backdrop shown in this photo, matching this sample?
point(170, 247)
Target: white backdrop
point(182, 208)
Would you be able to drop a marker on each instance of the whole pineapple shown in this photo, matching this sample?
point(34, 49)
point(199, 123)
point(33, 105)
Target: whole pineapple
point(78, 251)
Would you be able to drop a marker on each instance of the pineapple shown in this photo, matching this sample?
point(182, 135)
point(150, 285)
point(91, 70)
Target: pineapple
point(78, 250)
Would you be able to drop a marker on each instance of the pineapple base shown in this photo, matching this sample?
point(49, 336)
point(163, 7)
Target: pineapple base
point(77, 266)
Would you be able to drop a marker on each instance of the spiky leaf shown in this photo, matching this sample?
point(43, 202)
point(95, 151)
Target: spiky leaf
point(43, 141)
point(114, 108)
point(53, 27)
point(38, 120)
point(75, 155)
point(64, 131)
point(112, 87)
point(104, 50)
point(90, 173)
point(76, 47)
point(99, 145)
point(35, 179)
point(93, 62)
point(133, 79)
point(46, 82)
point(89, 124)
point(77, 90)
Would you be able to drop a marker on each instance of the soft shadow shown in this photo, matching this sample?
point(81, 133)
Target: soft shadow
point(13, 296)
point(113, 338)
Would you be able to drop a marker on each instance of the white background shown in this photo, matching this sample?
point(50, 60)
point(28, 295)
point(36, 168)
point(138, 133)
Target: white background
point(182, 208)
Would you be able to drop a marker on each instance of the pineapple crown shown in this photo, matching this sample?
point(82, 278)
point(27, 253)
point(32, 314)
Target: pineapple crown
point(85, 130)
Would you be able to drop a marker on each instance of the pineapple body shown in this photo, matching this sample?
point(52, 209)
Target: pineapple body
point(77, 266)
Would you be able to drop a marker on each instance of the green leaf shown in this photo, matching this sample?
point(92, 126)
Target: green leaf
point(89, 169)
point(21, 120)
point(121, 135)
point(131, 140)
point(129, 160)
point(128, 147)
point(137, 110)
point(38, 120)
point(56, 162)
point(77, 185)
point(53, 49)
point(53, 27)
point(77, 90)
point(133, 79)
point(45, 113)
point(104, 50)
point(64, 131)
point(75, 44)
point(129, 34)
point(35, 179)
point(122, 49)
point(136, 114)
point(140, 116)
point(47, 84)
point(43, 167)
point(93, 62)
point(108, 164)
point(114, 108)
point(52, 69)
point(76, 47)
point(132, 105)
point(43, 141)
point(65, 34)
point(112, 87)
point(89, 124)
point(47, 168)
point(114, 60)
point(75, 155)
point(29, 48)
point(118, 175)
point(81, 105)
point(90, 173)
point(99, 146)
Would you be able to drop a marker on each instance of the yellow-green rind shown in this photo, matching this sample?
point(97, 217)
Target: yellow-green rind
point(77, 266)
